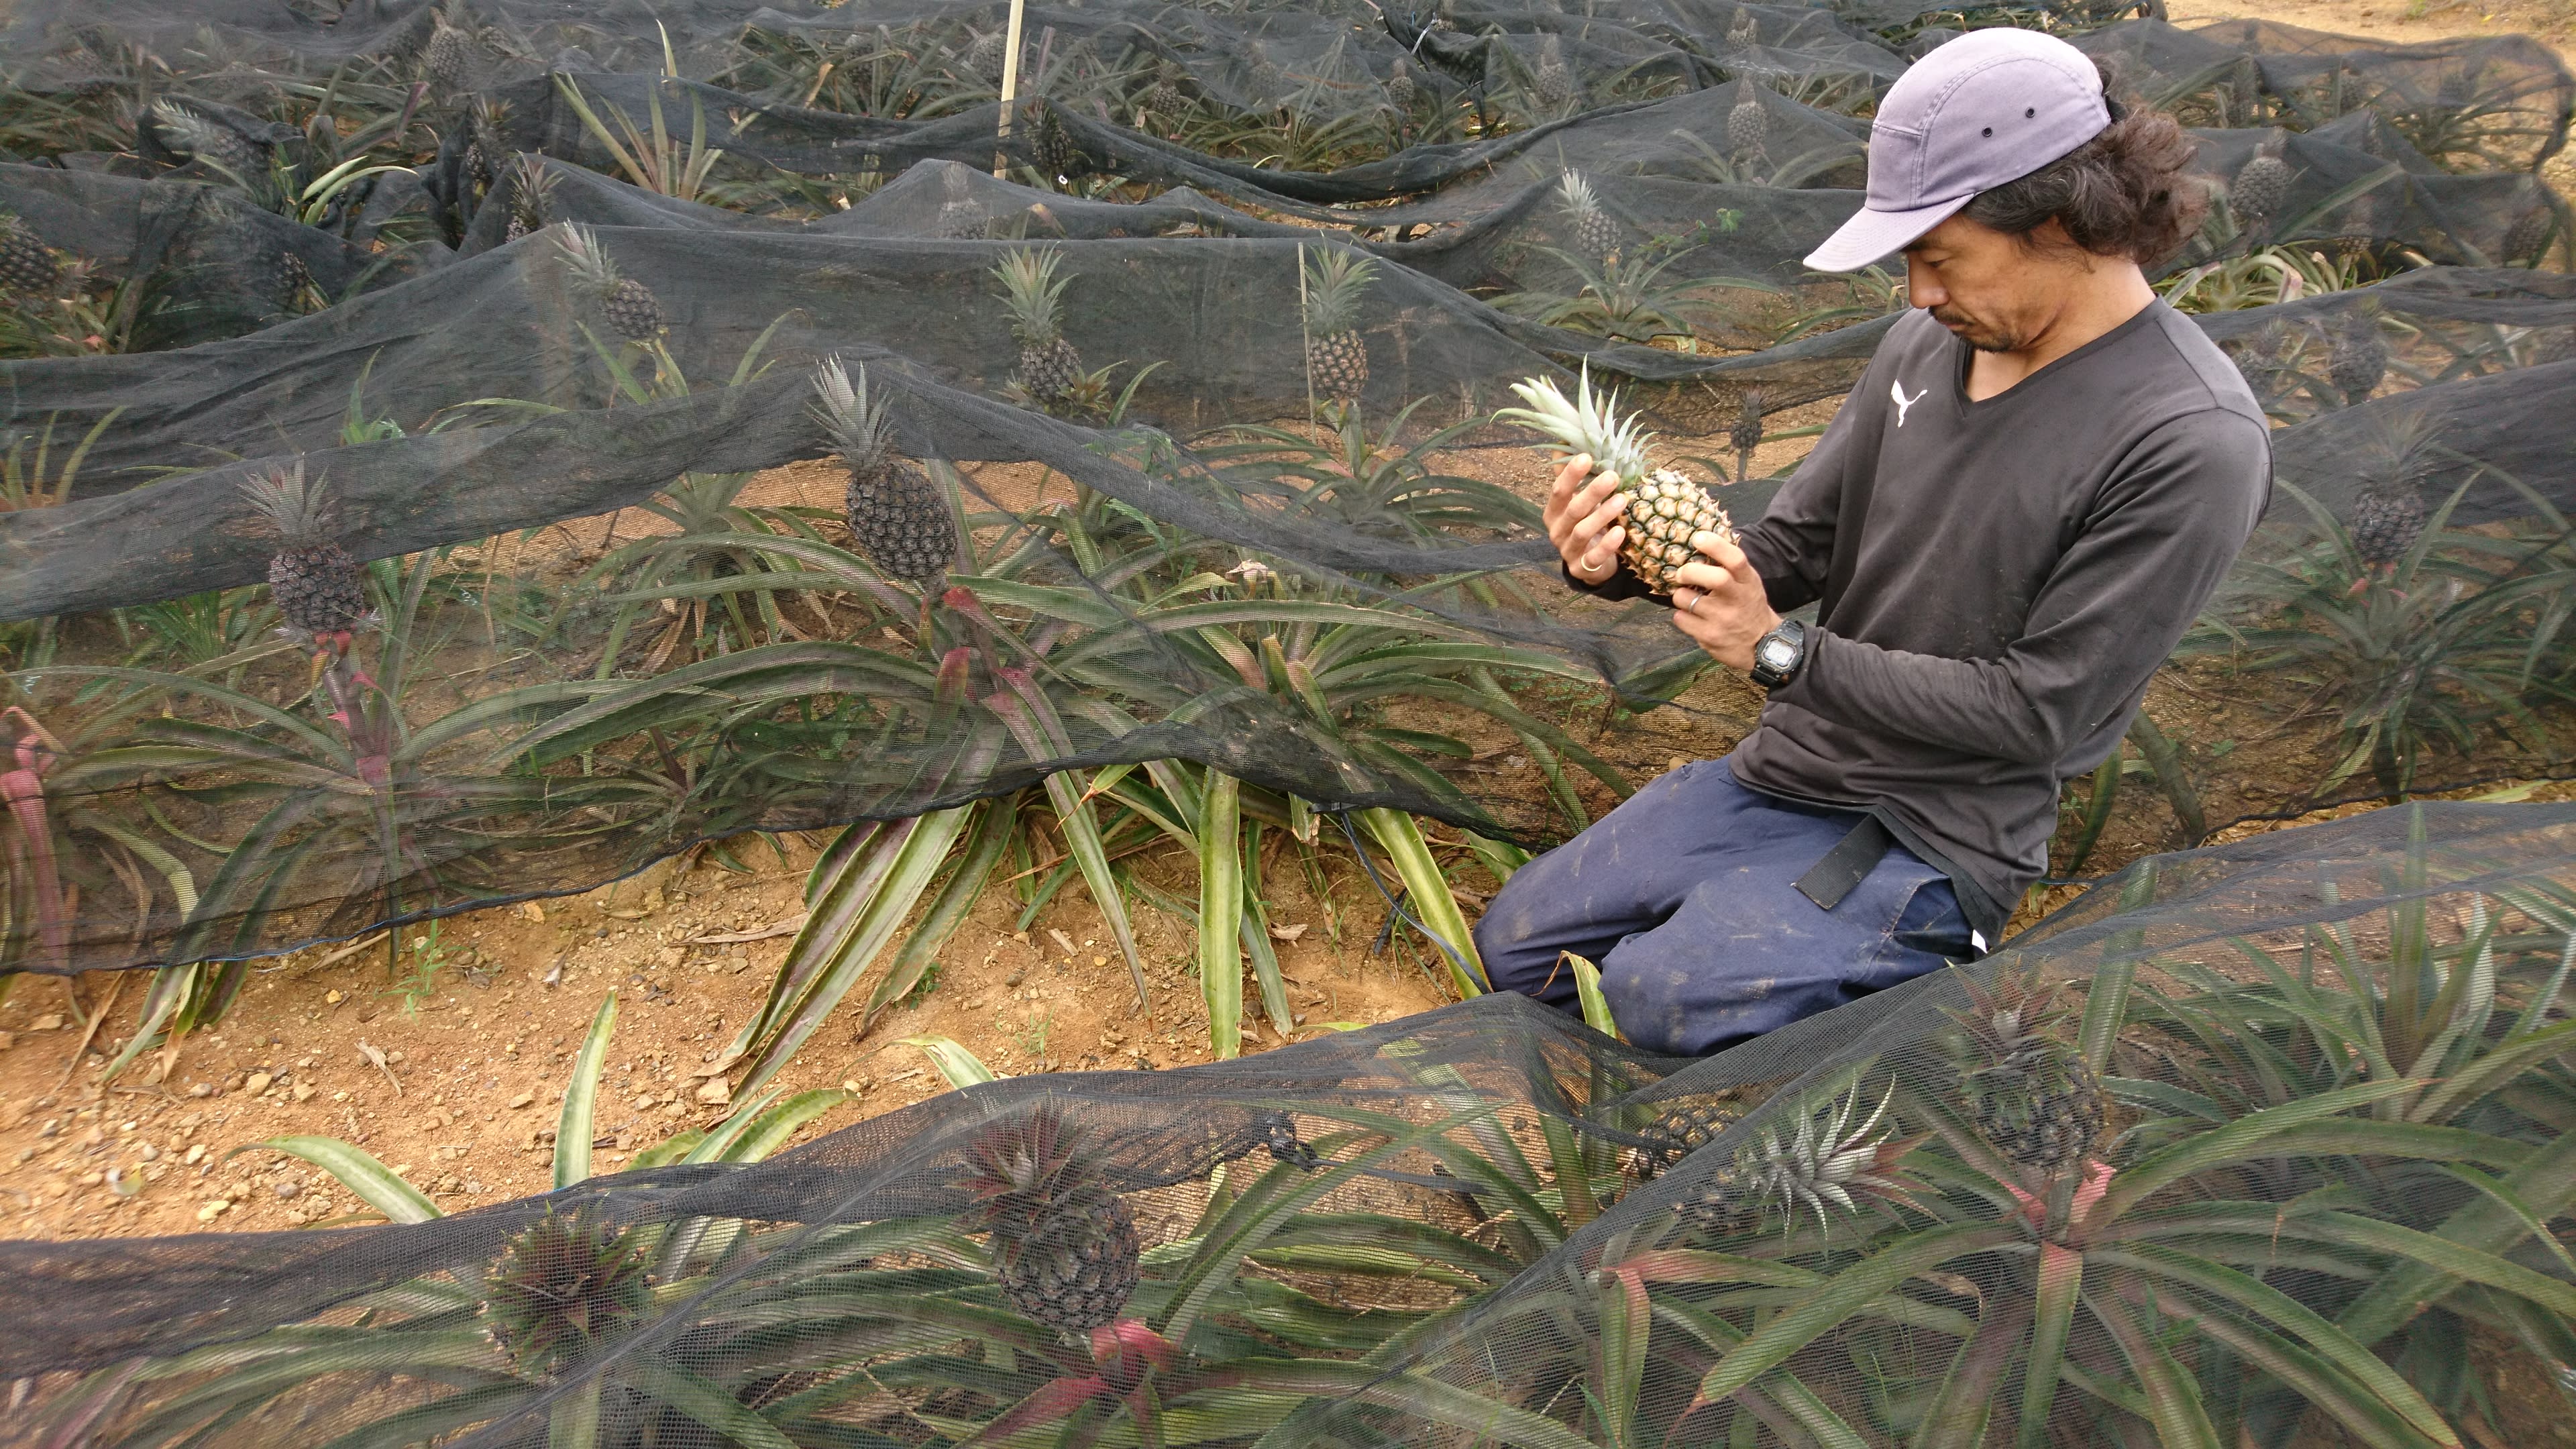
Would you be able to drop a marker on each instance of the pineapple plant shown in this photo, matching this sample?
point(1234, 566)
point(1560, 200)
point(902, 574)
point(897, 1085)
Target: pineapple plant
point(566, 1283)
point(531, 184)
point(901, 523)
point(2033, 1097)
point(2261, 185)
point(203, 138)
point(1400, 88)
point(1336, 354)
point(448, 61)
point(1747, 124)
point(2357, 358)
point(1554, 83)
point(1664, 509)
point(28, 270)
point(1063, 1242)
point(288, 280)
point(1595, 234)
point(1049, 365)
point(1051, 145)
point(960, 219)
point(1745, 32)
point(630, 307)
point(1806, 1161)
point(1746, 435)
point(314, 582)
point(984, 55)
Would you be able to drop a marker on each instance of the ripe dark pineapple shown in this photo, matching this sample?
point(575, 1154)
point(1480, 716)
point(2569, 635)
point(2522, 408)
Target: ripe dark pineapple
point(2034, 1098)
point(2261, 185)
point(1063, 1242)
point(1553, 85)
point(314, 582)
point(1682, 1127)
point(2357, 359)
point(28, 270)
point(630, 308)
point(1746, 435)
point(1336, 354)
point(1595, 234)
point(1747, 125)
point(1049, 365)
point(894, 511)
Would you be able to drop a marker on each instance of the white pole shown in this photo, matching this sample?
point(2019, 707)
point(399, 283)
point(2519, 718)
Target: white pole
point(1010, 85)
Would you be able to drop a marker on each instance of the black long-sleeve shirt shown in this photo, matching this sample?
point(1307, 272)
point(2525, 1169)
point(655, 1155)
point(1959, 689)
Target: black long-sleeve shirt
point(2012, 573)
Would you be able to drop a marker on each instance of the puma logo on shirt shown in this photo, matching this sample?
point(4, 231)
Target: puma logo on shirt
point(1904, 404)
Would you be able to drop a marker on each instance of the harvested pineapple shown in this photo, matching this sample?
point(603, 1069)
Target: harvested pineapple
point(1664, 508)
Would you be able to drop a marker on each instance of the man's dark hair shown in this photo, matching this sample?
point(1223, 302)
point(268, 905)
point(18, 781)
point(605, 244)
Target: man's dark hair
point(2125, 193)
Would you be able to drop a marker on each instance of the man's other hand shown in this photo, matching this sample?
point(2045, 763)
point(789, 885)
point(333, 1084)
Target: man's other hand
point(1583, 520)
point(1719, 601)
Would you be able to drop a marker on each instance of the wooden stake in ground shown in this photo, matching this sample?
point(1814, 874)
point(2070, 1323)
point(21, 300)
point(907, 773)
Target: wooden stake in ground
point(1010, 87)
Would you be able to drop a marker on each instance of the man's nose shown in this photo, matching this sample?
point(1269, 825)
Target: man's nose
point(1921, 289)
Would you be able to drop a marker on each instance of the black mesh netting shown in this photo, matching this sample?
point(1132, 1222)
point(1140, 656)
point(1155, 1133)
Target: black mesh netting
point(458, 454)
point(2244, 1146)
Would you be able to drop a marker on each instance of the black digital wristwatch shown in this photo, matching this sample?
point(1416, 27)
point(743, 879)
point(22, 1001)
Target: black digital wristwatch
point(1780, 654)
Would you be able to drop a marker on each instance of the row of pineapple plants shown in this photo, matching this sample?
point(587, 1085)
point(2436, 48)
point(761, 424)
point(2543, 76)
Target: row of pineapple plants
point(2150, 1199)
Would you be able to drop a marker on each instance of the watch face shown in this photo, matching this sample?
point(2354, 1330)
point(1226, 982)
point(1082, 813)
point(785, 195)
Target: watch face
point(1778, 654)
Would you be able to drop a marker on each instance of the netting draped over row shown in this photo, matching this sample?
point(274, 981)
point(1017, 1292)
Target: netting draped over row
point(548, 385)
point(2190, 1156)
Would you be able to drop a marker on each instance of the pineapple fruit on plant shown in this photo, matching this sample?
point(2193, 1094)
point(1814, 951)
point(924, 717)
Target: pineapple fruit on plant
point(2033, 1098)
point(29, 270)
point(629, 307)
point(531, 185)
point(1664, 508)
point(1832, 1155)
point(1063, 1242)
point(894, 511)
point(315, 583)
point(1033, 293)
point(1596, 234)
point(1336, 354)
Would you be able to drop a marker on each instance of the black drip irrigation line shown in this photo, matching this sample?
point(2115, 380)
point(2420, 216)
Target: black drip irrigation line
point(1395, 907)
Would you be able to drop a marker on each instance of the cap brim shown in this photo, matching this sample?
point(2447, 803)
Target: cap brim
point(1871, 235)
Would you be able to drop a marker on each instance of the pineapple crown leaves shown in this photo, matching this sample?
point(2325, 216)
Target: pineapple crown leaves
point(531, 182)
point(1025, 1162)
point(1031, 288)
point(291, 508)
point(1589, 423)
point(1336, 279)
point(564, 1282)
point(861, 426)
point(592, 271)
point(1825, 1161)
point(194, 134)
point(2009, 1024)
point(1575, 195)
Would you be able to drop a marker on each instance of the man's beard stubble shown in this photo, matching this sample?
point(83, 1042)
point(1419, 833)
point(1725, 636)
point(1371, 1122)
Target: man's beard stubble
point(1977, 335)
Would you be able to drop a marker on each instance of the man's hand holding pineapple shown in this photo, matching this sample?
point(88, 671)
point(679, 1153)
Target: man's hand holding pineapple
point(2031, 492)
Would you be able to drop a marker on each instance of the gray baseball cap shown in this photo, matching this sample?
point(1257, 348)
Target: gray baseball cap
point(1989, 107)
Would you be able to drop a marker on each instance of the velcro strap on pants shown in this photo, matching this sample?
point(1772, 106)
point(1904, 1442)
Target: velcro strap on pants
point(1847, 864)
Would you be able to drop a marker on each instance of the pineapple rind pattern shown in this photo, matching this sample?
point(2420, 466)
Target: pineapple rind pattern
point(314, 581)
point(1665, 509)
point(27, 266)
point(2034, 1098)
point(893, 510)
point(1064, 1244)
